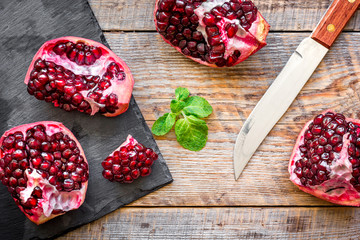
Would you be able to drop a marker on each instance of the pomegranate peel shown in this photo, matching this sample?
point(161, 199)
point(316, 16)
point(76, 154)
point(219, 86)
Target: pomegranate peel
point(128, 162)
point(326, 158)
point(216, 33)
point(44, 168)
point(80, 74)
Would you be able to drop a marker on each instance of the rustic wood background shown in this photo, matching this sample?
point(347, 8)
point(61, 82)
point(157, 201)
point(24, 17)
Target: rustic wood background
point(204, 201)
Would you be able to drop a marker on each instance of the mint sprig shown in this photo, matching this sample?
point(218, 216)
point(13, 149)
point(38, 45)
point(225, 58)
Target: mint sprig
point(186, 113)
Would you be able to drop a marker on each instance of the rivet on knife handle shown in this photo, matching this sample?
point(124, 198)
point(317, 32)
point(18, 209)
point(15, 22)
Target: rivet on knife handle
point(333, 23)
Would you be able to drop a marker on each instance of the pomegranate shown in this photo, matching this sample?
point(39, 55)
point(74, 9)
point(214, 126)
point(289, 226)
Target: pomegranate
point(80, 74)
point(44, 168)
point(216, 33)
point(326, 159)
point(128, 162)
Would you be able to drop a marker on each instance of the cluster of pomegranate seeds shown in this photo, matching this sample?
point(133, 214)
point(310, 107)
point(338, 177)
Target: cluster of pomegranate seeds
point(323, 142)
point(78, 52)
point(354, 154)
point(66, 90)
point(56, 158)
point(129, 163)
point(178, 23)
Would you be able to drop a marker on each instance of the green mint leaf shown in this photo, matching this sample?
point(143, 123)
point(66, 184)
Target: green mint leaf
point(198, 107)
point(176, 106)
point(181, 93)
point(164, 124)
point(191, 133)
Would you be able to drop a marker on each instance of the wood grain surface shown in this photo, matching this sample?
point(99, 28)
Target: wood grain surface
point(204, 201)
point(224, 223)
point(282, 15)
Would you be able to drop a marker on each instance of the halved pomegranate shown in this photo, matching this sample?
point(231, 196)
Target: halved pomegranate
point(80, 74)
point(216, 33)
point(44, 168)
point(326, 159)
point(128, 162)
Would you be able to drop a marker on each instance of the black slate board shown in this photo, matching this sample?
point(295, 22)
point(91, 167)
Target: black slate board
point(24, 26)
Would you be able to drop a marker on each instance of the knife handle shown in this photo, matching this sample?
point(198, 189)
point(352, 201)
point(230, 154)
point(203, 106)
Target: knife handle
point(334, 20)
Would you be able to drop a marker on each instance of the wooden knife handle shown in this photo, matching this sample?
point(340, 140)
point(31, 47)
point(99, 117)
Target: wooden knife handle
point(334, 20)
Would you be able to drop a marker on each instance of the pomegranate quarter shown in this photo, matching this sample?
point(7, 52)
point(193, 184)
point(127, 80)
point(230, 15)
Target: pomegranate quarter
point(129, 162)
point(326, 159)
point(44, 168)
point(215, 33)
point(80, 74)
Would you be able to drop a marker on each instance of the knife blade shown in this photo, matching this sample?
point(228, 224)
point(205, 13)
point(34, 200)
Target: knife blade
point(290, 81)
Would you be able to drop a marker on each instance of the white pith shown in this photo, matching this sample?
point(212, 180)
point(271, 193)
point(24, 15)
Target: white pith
point(51, 198)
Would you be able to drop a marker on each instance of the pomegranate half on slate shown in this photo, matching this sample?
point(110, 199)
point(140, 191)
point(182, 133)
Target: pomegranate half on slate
point(215, 33)
point(80, 74)
point(44, 168)
point(326, 159)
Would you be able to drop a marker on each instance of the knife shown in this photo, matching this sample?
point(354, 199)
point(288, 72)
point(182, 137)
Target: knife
point(290, 81)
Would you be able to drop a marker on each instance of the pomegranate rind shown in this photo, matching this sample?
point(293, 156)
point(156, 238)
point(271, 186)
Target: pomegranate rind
point(253, 42)
point(52, 127)
point(338, 188)
point(123, 90)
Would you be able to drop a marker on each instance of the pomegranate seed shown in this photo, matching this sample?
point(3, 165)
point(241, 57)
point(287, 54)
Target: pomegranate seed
point(148, 162)
point(318, 119)
point(68, 184)
point(13, 182)
point(31, 203)
point(116, 169)
point(128, 179)
point(119, 178)
point(135, 174)
point(45, 166)
point(231, 31)
point(209, 20)
point(145, 171)
point(60, 49)
point(9, 142)
point(47, 156)
point(107, 174)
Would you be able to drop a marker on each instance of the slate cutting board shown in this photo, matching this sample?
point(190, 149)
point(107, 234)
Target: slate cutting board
point(24, 26)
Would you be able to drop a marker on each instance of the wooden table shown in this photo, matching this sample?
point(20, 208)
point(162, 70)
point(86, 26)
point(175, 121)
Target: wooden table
point(204, 201)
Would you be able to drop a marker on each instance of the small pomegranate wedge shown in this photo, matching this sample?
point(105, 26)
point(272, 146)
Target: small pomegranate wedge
point(128, 162)
point(80, 74)
point(326, 159)
point(215, 33)
point(44, 168)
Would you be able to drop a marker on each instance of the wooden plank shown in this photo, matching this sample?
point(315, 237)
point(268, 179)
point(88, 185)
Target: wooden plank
point(292, 15)
point(223, 223)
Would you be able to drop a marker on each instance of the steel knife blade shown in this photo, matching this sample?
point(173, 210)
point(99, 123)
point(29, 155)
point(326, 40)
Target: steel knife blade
point(290, 81)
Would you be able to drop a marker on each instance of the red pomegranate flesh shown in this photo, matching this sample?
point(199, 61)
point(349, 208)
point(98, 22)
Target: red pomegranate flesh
point(216, 33)
point(80, 74)
point(326, 159)
point(44, 168)
point(129, 162)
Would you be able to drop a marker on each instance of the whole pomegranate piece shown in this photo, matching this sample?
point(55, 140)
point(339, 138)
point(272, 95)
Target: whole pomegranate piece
point(80, 74)
point(215, 33)
point(128, 162)
point(44, 168)
point(326, 159)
